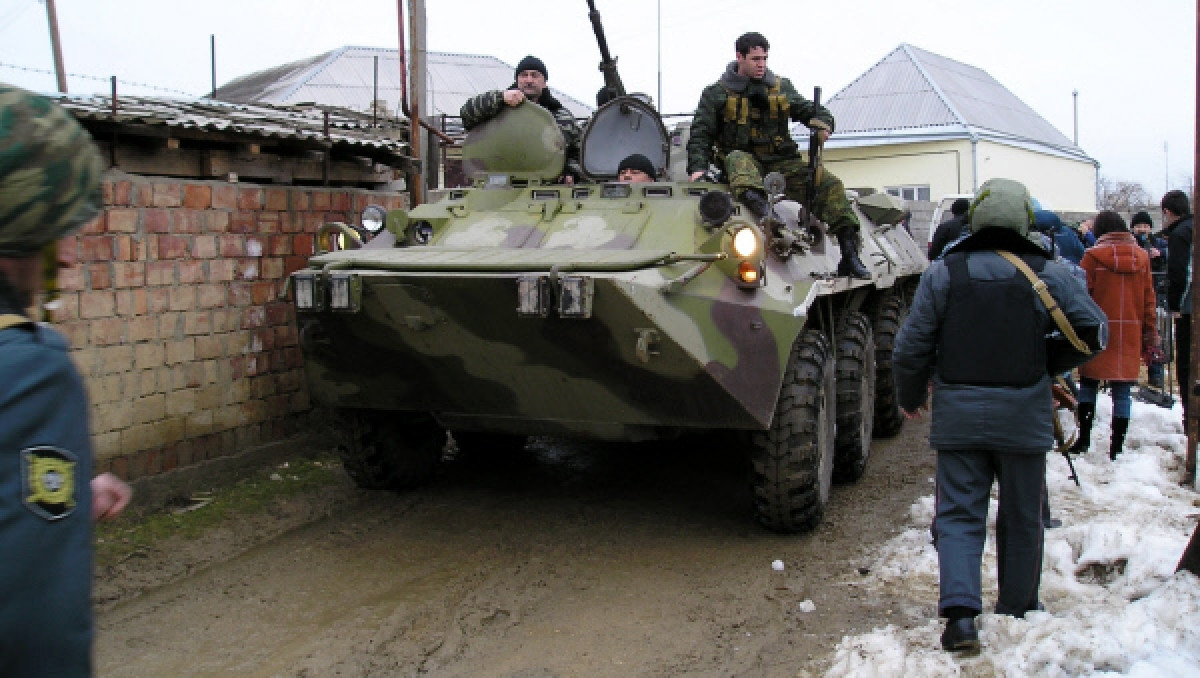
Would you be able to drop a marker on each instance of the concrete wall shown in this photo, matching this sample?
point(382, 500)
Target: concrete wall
point(174, 316)
point(1059, 184)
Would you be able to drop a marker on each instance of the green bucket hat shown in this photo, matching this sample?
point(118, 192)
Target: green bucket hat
point(1002, 203)
point(49, 173)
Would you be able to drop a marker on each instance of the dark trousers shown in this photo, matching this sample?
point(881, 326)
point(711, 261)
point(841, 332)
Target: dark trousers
point(1183, 357)
point(964, 483)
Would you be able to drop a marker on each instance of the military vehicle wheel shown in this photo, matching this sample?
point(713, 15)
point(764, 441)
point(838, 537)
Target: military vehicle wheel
point(793, 461)
point(886, 324)
point(391, 450)
point(855, 395)
point(475, 444)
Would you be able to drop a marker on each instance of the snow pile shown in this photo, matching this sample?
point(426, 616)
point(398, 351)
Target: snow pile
point(1115, 605)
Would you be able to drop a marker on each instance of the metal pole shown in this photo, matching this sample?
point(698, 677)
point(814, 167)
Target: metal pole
point(1075, 98)
point(375, 94)
point(1187, 390)
point(659, 100)
point(56, 46)
point(212, 59)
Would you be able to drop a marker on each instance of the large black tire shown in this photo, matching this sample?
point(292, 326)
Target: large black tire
point(391, 450)
point(855, 395)
point(793, 460)
point(885, 321)
point(488, 448)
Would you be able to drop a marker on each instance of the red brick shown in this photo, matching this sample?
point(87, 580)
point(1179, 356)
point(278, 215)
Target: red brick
point(68, 250)
point(268, 222)
point(320, 200)
point(183, 298)
point(130, 274)
point(285, 335)
point(216, 222)
point(263, 292)
point(250, 198)
point(302, 244)
point(246, 269)
point(100, 276)
point(243, 222)
point(161, 273)
point(211, 296)
point(204, 246)
point(253, 317)
point(300, 200)
point(231, 246)
point(95, 248)
point(156, 220)
point(143, 194)
point(292, 264)
point(197, 322)
point(266, 338)
point(197, 196)
point(209, 347)
point(240, 295)
point(97, 304)
point(106, 331)
point(158, 300)
point(172, 247)
point(339, 202)
point(121, 220)
point(272, 268)
point(191, 271)
point(224, 196)
point(290, 223)
point(221, 270)
point(167, 194)
point(279, 245)
point(121, 193)
point(71, 278)
point(131, 302)
point(143, 328)
point(188, 221)
point(68, 307)
point(277, 312)
point(276, 199)
point(125, 248)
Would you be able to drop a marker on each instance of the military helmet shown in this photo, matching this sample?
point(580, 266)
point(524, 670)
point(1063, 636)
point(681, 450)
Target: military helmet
point(49, 173)
point(1002, 203)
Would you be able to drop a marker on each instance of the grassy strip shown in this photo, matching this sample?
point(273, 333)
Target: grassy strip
point(191, 517)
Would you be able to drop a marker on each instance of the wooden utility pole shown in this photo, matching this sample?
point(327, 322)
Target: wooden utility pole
point(56, 46)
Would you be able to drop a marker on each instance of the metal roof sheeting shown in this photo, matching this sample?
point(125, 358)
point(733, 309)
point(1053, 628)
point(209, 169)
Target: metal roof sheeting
point(345, 77)
point(912, 89)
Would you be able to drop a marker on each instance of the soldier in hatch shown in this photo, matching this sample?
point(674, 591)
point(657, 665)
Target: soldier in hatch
point(741, 123)
point(529, 83)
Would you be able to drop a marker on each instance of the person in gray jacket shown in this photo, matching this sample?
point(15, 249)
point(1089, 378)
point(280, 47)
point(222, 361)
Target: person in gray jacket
point(982, 341)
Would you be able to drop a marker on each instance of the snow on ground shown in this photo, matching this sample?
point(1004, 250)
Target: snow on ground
point(1114, 604)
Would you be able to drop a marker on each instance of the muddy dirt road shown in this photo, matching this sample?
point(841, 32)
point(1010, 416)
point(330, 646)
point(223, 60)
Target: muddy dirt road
point(568, 560)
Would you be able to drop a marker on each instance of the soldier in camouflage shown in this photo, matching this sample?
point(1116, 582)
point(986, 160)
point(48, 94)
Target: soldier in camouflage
point(49, 186)
point(741, 124)
point(529, 83)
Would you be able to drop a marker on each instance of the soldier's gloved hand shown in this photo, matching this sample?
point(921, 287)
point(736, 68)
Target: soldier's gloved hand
point(822, 127)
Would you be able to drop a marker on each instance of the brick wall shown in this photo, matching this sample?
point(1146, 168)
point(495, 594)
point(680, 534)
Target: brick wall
point(174, 319)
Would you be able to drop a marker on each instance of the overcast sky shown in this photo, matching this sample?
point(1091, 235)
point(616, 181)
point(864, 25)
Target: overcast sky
point(1133, 63)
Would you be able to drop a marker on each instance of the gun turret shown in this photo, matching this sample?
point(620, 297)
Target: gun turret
point(613, 87)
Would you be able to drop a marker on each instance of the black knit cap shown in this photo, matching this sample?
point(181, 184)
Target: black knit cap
point(1141, 218)
point(531, 63)
point(637, 161)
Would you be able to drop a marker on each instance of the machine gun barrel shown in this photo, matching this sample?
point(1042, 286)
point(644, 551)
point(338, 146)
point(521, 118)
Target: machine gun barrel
point(613, 87)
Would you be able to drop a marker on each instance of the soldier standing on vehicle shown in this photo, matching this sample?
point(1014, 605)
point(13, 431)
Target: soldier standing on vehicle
point(742, 124)
point(49, 186)
point(529, 84)
point(978, 332)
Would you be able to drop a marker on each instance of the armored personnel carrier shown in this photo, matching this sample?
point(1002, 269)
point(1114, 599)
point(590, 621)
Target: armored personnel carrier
point(623, 312)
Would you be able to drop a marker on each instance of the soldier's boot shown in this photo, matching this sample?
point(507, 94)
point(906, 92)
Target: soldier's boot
point(851, 266)
point(1087, 413)
point(756, 201)
point(1120, 426)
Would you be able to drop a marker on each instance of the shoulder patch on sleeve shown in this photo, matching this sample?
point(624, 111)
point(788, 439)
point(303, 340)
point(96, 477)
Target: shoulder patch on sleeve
point(48, 482)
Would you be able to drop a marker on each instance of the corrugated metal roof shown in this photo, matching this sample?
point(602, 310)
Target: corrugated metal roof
point(345, 77)
point(348, 130)
point(912, 89)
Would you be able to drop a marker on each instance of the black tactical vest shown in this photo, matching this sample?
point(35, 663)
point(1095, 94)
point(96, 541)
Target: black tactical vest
point(995, 319)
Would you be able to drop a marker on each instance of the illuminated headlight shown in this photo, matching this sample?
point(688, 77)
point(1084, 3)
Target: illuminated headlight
point(305, 287)
point(745, 243)
point(345, 292)
point(575, 297)
point(750, 273)
point(373, 218)
point(533, 296)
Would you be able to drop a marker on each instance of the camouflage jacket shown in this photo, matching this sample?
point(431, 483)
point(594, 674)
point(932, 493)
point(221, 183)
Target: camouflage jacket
point(737, 113)
point(483, 107)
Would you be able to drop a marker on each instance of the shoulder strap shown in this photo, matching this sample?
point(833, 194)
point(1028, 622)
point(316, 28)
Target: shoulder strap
point(1051, 305)
point(8, 320)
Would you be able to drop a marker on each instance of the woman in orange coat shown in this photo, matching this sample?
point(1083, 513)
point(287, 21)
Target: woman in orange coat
point(1118, 278)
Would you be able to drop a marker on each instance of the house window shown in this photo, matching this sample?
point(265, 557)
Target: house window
point(909, 192)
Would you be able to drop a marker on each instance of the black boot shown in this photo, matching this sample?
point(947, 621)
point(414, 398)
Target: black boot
point(851, 266)
point(1087, 412)
point(1120, 425)
point(756, 201)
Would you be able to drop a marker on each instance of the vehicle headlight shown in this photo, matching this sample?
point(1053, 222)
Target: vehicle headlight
point(304, 286)
point(345, 292)
point(373, 218)
point(745, 243)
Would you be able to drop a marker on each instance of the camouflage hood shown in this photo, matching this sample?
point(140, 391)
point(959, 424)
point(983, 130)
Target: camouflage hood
point(49, 173)
point(735, 82)
point(1002, 203)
